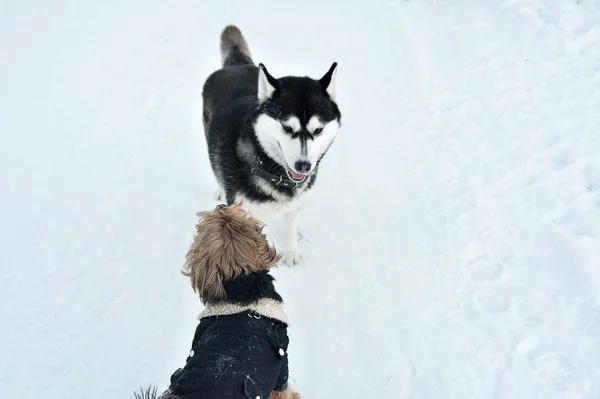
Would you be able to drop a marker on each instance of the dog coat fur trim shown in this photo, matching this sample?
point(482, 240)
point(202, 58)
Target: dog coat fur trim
point(265, 306)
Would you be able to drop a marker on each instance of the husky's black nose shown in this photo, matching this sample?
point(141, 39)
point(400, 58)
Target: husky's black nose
point(302, 166)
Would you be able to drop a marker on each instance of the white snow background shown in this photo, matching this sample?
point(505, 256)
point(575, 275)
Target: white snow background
point(452, 244)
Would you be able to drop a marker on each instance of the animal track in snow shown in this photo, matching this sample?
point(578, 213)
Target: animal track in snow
point(490, 300)
point(553, 370)
point(482, 273)
point(590, 320)
point(481, 270)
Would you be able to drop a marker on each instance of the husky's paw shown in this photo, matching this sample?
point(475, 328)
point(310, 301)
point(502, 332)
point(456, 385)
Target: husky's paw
point(291, 257)
point(219, 195)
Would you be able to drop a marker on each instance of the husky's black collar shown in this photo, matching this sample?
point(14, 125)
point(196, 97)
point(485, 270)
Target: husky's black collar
point(276, 179)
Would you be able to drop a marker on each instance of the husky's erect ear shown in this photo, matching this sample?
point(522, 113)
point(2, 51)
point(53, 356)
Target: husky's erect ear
point(267, 84)
point(328, 81)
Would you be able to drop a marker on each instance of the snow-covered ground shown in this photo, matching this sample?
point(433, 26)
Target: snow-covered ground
point(452, 246)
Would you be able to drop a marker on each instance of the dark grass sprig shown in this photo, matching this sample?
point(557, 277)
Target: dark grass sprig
point(149, 393)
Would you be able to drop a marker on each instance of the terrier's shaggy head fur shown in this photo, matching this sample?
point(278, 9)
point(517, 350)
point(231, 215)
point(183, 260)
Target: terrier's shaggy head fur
point(228, 243)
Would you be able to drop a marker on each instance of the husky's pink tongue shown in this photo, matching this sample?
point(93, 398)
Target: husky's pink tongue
point(295, 175)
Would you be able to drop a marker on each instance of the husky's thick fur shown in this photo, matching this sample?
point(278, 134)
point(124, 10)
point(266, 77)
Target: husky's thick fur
point(267, 136)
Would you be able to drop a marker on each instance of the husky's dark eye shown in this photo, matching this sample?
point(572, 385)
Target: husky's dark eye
point(318, 130)
point(288, 129)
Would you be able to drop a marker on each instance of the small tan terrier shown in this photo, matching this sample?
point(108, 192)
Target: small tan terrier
point(239, 349)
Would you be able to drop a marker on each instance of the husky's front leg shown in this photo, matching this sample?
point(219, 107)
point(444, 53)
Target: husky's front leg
point(291, 250)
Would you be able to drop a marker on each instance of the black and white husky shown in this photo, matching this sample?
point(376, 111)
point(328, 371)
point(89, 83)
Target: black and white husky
point(267, 136)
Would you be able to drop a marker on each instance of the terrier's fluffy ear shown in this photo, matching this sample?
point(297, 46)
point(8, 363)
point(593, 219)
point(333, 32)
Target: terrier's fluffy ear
point(227, 243)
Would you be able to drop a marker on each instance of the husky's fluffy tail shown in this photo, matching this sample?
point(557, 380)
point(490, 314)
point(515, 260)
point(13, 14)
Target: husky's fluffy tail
point(234, 49)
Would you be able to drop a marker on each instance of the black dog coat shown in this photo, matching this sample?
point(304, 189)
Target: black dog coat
point(235, 356)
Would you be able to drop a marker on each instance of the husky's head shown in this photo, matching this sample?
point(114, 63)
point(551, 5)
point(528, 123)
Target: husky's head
point(297, 119)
